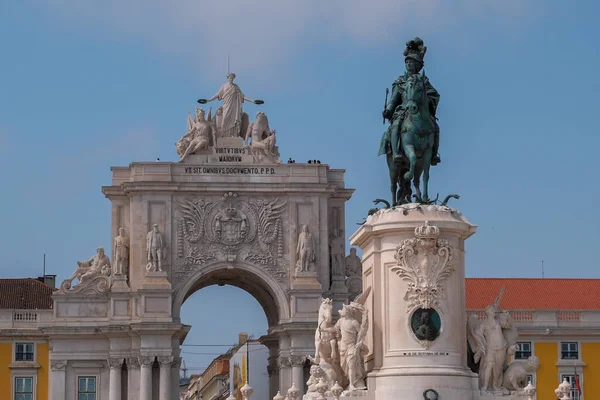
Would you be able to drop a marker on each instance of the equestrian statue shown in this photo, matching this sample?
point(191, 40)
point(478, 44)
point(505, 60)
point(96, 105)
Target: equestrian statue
point(411, 141)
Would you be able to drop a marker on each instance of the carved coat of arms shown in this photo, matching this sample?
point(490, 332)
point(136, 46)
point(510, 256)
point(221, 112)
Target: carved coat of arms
point(425, 262)
point(230, 229)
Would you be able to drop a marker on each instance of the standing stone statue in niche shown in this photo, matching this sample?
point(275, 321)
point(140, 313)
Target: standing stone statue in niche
point(337, 255)
point(232, 97)
point(121, 253)
point(412, 140)
point(305, 250)
point(155, 244)
point(353, 272)
point(353, 264)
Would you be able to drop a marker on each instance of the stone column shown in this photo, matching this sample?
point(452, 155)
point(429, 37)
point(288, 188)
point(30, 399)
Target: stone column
point(165, 377)
point(284, 366)
point(146, 377)
point(57, 379)
point(114, 391)
point(273, 373)
point(175, 367)
point(297, 363)
point(133, 378)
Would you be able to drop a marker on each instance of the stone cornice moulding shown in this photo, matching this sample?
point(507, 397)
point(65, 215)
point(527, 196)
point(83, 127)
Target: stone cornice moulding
point(88, 364)
point(24, 365)
point(570, 363)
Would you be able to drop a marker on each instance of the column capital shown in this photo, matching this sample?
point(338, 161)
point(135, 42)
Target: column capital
point(115, 362)
point(58, 365)
point(283, 362)
point(296, 360)
point(272, 370)
point(146, 361)
point(133, 362)
point(165, 361)
point(176, 362)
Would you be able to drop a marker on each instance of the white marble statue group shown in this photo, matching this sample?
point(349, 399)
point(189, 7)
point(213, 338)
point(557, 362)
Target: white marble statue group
point(229, 121)
point(340, 348)
point(93, 275)
point(493, 341)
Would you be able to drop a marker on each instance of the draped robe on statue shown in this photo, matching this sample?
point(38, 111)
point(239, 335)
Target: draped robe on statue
point(232, 97)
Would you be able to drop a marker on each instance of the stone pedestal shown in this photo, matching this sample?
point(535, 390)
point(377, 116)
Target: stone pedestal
point(156, 280)
point(305, 280)
point(156, 297)
point(413, 258)
point(119, 283)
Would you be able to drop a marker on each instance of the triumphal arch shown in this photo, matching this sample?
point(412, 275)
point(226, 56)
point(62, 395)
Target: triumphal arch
point(228, 212)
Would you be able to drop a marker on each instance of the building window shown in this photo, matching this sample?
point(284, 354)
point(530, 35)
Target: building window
point(24, 388)
point(571, 380)
point(24, 352)
point(531, 378)
point(569, 351)
point(86, 388)
point(524, 351)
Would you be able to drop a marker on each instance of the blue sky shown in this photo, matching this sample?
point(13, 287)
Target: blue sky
point(86, 85)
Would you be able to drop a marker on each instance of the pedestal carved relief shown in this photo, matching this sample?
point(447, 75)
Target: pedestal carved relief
point(425, 262)
point(230, 229)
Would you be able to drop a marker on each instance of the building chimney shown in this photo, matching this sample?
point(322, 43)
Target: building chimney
point(242, 338)
point(49, 280)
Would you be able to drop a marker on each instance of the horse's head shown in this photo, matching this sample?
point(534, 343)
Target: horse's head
point(414, 93)
point(325, 311)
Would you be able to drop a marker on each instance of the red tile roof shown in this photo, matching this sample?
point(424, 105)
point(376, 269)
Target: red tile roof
point(25, 294)
point(534, 293)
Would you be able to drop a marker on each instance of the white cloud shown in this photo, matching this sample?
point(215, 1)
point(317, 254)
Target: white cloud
point(261, 34)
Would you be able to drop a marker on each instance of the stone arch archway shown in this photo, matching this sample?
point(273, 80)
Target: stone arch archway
point(271, 296)
point(266, 290)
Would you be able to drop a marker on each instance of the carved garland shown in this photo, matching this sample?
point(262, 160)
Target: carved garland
point(425, 262)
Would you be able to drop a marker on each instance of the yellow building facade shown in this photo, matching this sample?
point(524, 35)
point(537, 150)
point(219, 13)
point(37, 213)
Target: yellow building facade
point(24, 349)
point(558, 321)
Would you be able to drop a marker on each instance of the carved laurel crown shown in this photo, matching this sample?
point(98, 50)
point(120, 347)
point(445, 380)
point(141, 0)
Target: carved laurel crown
point(427, 231)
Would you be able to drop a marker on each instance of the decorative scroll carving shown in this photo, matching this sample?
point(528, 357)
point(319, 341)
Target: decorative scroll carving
point(115, 362)
point(284, 362)
point(133, 362)
point(165, 360)
point(92, 276)
point(145, 360)
point(57, 365)
point(230, 229)
point(296, 360)
point(425, 262)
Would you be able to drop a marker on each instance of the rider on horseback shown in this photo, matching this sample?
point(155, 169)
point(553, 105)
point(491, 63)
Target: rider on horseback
point(395, 109)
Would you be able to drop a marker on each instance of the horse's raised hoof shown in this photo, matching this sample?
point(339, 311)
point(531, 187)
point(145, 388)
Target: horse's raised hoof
point(409, 176)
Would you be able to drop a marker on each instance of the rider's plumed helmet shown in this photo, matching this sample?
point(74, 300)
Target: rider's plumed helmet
point(415, 49)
